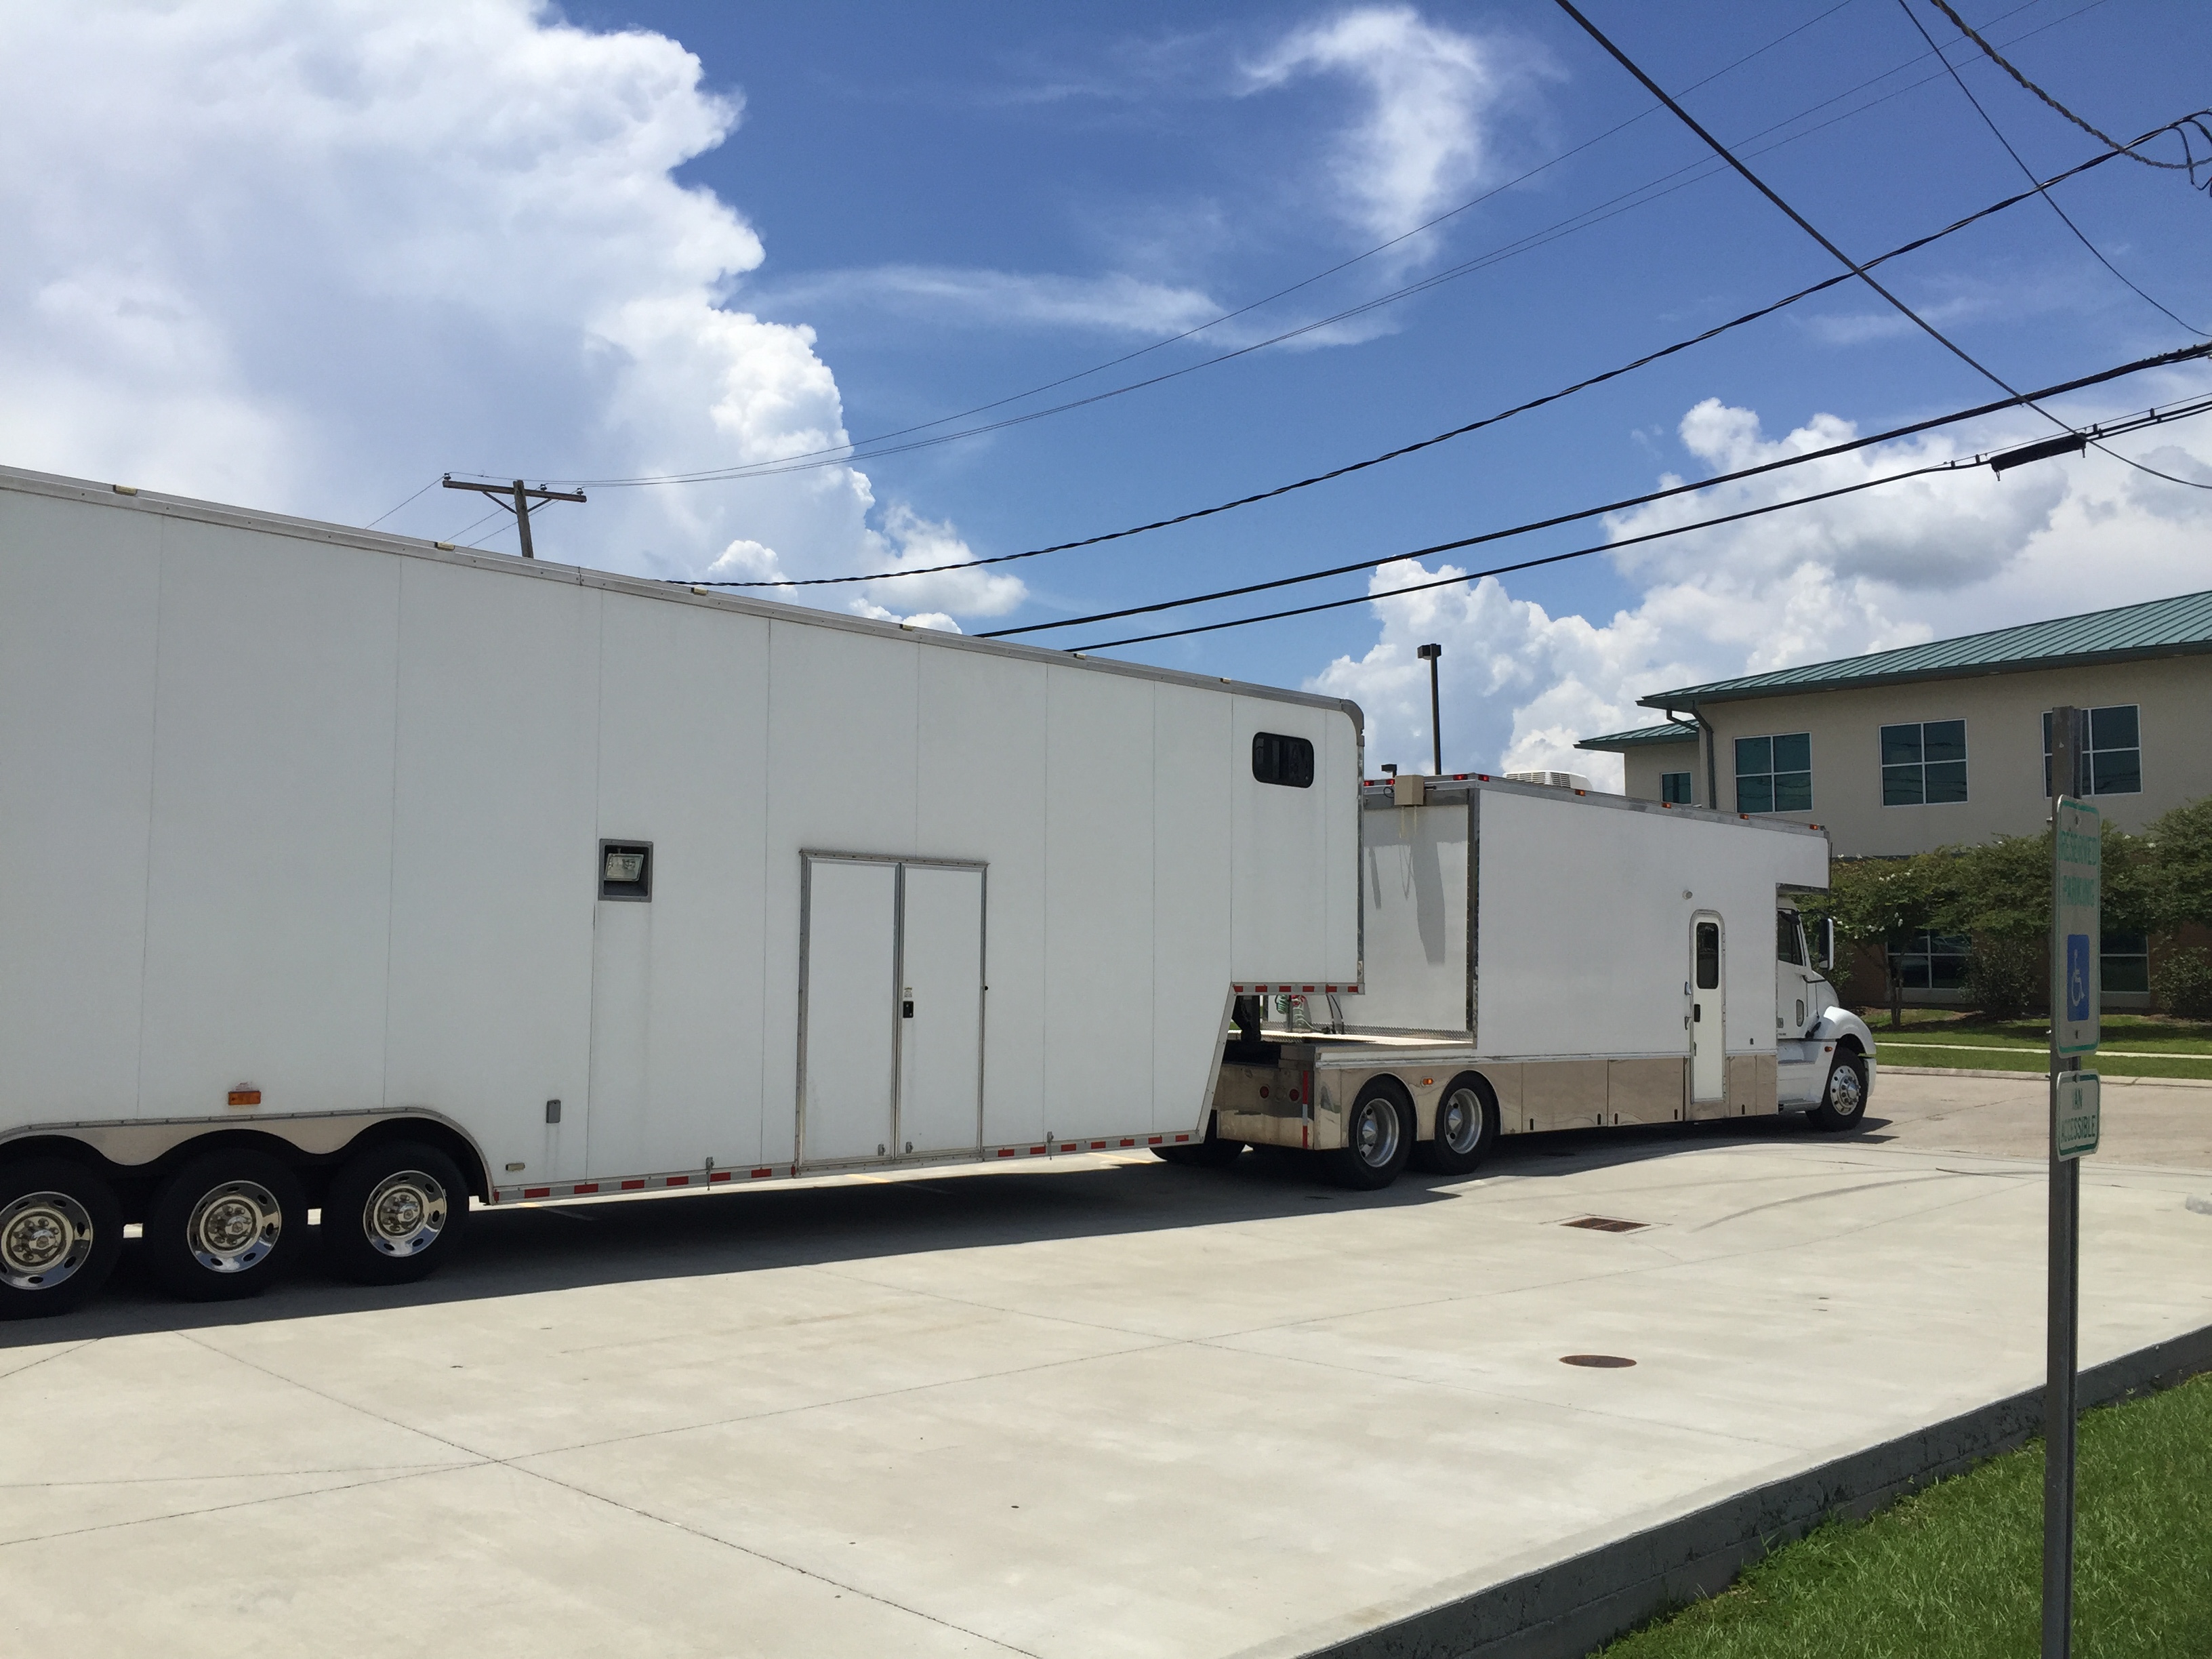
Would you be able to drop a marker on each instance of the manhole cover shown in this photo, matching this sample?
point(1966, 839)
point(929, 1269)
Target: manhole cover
point(1606, 1223)
point(1603, 1361)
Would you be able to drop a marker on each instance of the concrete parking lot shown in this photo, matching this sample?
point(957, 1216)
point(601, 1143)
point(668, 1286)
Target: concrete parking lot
point(1102, 1407)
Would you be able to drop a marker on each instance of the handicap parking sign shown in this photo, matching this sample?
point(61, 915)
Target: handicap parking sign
point(2078, 976)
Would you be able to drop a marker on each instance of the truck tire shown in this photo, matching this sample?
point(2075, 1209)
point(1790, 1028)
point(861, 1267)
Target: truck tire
point(224, 1225)
point(1843, 1104)
point(1467, 1127)
point(61, 1232)
point(1211, 1153)
point(1379, 1137)
point(394, 1214)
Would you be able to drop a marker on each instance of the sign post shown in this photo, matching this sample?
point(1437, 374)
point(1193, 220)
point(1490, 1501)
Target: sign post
point(2076, 933)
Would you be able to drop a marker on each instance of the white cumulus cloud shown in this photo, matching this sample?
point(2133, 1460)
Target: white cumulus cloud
point(1421, 144)
point(1951, 553)
point(309, 257)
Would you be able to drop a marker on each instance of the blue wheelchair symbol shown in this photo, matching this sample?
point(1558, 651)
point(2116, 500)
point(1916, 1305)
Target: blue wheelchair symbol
point(2078, 976)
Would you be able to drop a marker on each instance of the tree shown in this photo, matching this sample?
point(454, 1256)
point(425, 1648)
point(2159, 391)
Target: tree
point(1889, 901)
point(2177, 874)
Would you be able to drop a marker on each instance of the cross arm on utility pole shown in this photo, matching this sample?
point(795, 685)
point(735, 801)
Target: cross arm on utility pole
point(519, 499)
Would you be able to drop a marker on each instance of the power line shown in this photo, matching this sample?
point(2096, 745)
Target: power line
point(2017, 456)
point(1997, 133)
point(851, 449)
point(1441, 437)
point(2164, 360)
point(864, 449)
point(2188, 165)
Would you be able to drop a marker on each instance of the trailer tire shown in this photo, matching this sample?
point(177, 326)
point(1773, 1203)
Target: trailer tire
point(1379, 1135)
point(394, 1212)
point(61, 1231)
point(1467, 1127)
point(1211, 1153)
point(1843, 1102)
point(223, 1225)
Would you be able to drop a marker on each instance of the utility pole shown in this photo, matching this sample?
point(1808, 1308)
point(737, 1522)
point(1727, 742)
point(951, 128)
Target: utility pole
point(2076, 923)
point(524, 500)
point(1429, 653)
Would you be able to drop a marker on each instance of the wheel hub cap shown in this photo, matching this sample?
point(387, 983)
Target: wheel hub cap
point(45, 1237)
point(405, 1213)
point(234, 1227)
point(1374, 1136)
point(1462, 1121)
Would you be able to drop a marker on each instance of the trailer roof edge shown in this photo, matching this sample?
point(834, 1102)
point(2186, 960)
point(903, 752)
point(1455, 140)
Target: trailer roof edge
point(128, 498)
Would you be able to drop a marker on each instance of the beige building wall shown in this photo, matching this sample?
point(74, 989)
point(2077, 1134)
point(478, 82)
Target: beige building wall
point(2003, 713)
point(1642, 766)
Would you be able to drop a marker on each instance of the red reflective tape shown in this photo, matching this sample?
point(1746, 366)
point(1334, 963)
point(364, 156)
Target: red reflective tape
point(679, 1181)
point(1182, 1137)
point(1305, 987)
point(1154, 1141)
point(761, 1174)
point(583, 1187)
point(536, 1192)
point(1128, 1140)
point(1037, 1151)
point(1097, 1144)
point(1005, 1152)
point(631, 1186)
point(719, 1175)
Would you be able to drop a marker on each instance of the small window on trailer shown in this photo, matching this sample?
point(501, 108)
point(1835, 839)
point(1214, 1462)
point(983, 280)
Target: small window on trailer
point(1284, 760)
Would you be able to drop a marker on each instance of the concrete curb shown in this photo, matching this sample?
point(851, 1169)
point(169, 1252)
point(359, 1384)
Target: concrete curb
point(2109, 1081)
point(1565, 1610)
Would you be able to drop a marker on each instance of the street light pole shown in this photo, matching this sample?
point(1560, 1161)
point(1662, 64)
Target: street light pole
point(1430, 653)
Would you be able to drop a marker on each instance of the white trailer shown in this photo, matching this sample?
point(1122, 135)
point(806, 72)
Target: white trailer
point(1542, 958)
point(346, 870)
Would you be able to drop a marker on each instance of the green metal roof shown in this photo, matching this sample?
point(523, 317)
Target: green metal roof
point(2178, 627)
point(1673, 731)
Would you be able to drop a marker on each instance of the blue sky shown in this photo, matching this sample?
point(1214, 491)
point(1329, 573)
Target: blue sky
point(621, 240)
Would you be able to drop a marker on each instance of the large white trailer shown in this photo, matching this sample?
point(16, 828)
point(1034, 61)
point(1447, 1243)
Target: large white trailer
point(340, 869)
point(1541, 957)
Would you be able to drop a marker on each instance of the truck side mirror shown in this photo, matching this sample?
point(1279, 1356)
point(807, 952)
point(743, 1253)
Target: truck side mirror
point(1828, 943)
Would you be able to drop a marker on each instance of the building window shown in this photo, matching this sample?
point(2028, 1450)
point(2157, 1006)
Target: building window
point(2123, 959)
point(1278, 759)
point(2113, 765)
point(1675, 788)
point(1932, 962)
point(1774, 774)
point(1924, 764)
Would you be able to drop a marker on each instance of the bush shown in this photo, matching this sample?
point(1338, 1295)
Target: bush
point(2182, 983)
point(2006, 976)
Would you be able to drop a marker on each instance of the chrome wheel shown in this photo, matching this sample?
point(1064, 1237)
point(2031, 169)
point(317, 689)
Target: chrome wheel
point(404, 1213)
point(45, 1238)
point(1375, 1129)
point(234, 1226)
point(1846, 1091)
point(1459, 1122)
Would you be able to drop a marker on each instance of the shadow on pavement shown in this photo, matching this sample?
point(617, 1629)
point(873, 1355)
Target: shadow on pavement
point(516, 1249)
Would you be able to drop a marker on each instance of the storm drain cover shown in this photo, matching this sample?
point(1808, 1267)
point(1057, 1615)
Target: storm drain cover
point(1606, 1223)
point(1604, 1362)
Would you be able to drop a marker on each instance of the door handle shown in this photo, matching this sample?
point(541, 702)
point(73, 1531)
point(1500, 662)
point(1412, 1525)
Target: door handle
point(1698, 1011)
point(906, 1010)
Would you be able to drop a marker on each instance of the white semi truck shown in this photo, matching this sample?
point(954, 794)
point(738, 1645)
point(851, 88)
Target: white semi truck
point(345, 871)
point(1541, 957)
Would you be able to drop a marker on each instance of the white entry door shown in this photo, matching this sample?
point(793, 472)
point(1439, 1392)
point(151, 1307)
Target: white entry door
point(940, 1094)
point(848, 978)
point(1708, 1009)
point(891, 1009)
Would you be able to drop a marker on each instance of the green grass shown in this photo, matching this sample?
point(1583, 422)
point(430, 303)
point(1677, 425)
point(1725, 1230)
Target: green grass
point(2182, 1047)
point(1956, 1571)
